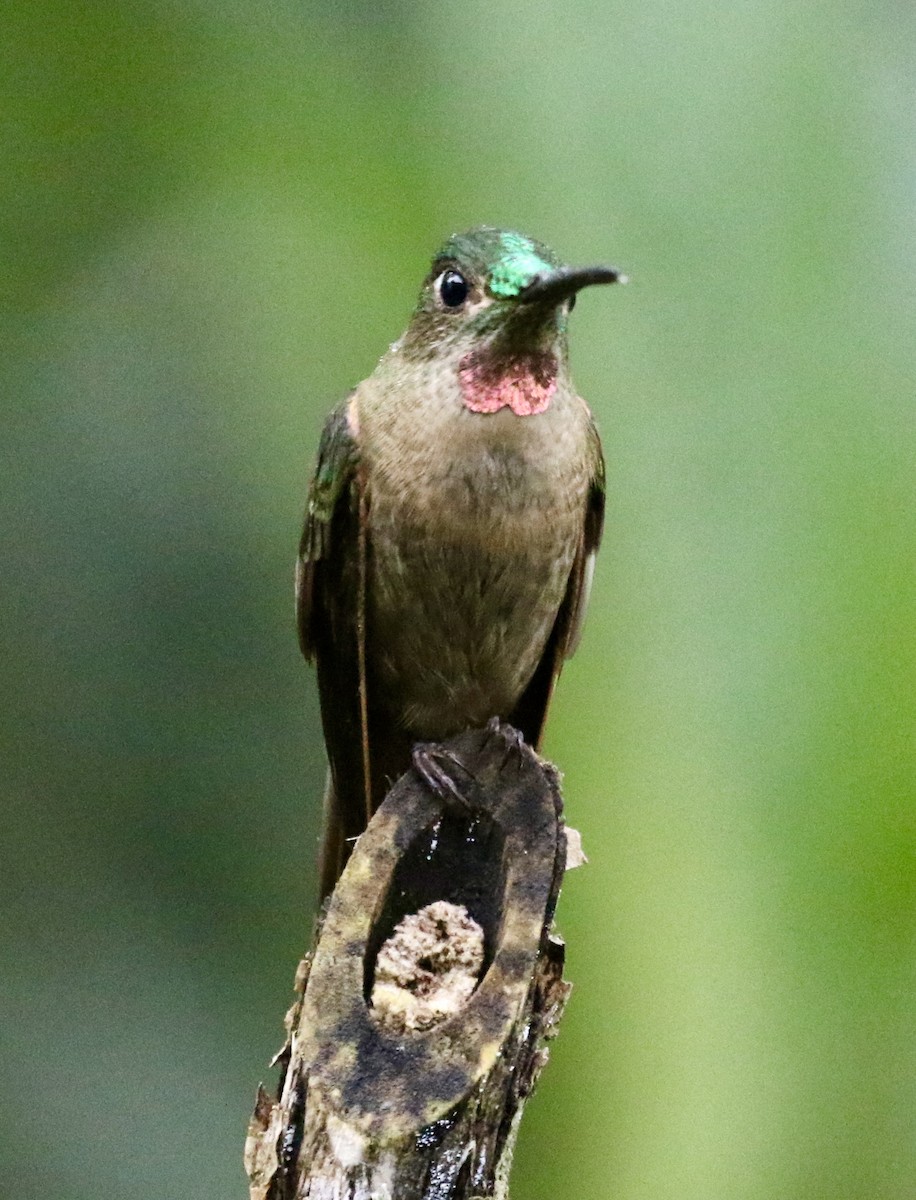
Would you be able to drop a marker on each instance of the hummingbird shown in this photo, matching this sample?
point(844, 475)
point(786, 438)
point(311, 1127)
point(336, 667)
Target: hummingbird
point(452, 524)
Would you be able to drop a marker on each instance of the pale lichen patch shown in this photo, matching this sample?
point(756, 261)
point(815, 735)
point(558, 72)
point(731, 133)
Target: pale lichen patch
point(428, 969)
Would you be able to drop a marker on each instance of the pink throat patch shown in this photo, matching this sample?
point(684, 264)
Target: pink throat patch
point(525, 385)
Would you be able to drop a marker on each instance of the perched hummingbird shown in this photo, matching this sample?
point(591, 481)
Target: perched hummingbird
point(452, 524)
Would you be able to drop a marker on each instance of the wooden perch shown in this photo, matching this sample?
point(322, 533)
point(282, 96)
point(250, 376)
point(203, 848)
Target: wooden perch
point(419, 1027)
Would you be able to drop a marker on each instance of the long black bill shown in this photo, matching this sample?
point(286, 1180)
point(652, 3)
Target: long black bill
point(566, 281)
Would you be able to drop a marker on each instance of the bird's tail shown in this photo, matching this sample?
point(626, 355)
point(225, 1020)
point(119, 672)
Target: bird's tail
point(333, 853)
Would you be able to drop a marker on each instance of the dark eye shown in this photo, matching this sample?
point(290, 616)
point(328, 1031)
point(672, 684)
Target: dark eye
point(453, 289)
point(572, 302)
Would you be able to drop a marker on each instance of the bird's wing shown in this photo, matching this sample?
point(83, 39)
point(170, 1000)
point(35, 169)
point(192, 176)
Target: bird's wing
point(331, 489)
point(330, 608)
point(580, 580)
point(530, 713)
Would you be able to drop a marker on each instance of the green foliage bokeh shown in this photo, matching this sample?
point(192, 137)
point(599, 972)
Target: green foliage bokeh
point(213, 219)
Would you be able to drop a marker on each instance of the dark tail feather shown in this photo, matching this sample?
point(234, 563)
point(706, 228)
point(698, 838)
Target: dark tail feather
point(333, 853)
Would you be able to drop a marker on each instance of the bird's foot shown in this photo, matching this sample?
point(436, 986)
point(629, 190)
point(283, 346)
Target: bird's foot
point(432, 764)
point(512, 739)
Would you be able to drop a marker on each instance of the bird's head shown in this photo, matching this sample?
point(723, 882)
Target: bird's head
point(497, 303)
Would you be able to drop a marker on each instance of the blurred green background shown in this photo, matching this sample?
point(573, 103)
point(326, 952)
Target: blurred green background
point(213, 219)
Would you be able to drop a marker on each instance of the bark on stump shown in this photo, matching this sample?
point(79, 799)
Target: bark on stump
point(421, 1017)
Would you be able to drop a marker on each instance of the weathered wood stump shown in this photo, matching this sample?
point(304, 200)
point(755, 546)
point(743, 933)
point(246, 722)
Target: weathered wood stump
point(420, 1023)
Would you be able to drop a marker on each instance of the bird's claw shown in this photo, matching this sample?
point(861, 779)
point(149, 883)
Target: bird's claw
point(512, 739)
point(428, 760)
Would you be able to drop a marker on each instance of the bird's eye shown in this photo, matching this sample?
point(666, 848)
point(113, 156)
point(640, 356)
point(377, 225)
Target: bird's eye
point(453, 289)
